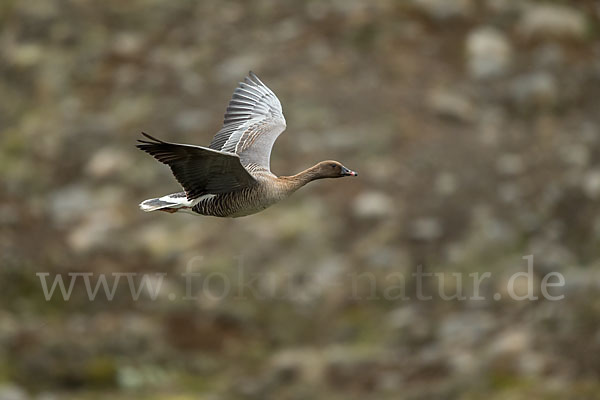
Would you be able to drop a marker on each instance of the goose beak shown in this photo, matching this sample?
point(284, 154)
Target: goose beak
point(347, 172)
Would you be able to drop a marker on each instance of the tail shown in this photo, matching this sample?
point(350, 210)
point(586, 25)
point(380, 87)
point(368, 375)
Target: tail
point(170, 203)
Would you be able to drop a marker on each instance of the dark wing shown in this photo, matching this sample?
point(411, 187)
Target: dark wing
point(253, 121)
point(198, 169)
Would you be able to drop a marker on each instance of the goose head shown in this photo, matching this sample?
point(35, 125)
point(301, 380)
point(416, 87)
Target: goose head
point(332, 169)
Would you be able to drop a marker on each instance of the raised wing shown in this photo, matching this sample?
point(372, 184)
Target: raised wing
point(253, 121)
point(198, 169)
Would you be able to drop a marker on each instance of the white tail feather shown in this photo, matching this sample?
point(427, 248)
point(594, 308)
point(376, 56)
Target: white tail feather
point(154, 204)
point(174, 201)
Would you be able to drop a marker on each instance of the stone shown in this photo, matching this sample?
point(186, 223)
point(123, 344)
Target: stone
point(466, 328)
point(426, 228)
point(551, 20)
point(504, 6)
point(534, 90)
point(591, 184)
point(575, 154)
point(307, 363)
point(192, 120)
point(237, 66)
point(511, 341)
point(95, 230)
point(127, 44)
point(373, 205)
point(445, 183)
point(452, 105)
point(509, 192)
point(12, 392)
point(549, 55)
point(69, 204)
point(489, 53)
point(26, 55)
point(107, 161)
point(445, 9)
point(510, 164)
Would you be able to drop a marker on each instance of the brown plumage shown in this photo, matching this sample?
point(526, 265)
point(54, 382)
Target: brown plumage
point(232, 177)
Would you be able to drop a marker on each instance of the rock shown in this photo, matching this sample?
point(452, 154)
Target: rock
point(305, 363)
point(534, 90)
point(511, 353)
point(452, 105)
point(26, 55)
point(509, 192)
point(373, 205)
point(410, 322)
point(12, 392)
point(550, 20)
point(445, 9)
point(510, 164)
point(532, 363)
point(426, 228)
point(466, 329)
point(459, 332)
point(512, 341)
point(504, 6)
point(68, 204)
point(142, 376)
point(550, 55)
point(575, 154)
point(192, 119)
point(289, 29)
point(491, 121)
point(551, 256)
point(127, 44)
point(238, 66)
point(402, 317)
point(95, 231)
point(107, 161)
point(445, 184)
point(129, 377)
point(591, 184)
point(489, 53)
point(47, 396)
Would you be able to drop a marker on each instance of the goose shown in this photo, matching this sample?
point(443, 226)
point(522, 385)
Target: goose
point(232, 176)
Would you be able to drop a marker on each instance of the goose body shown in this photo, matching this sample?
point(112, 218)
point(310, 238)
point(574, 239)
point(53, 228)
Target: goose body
point(232, 177)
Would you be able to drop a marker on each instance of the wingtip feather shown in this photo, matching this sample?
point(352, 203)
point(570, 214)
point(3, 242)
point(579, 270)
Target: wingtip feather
point(255, 79)
point(152, 138)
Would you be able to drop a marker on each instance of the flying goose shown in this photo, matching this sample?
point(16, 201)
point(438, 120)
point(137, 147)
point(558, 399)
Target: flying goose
point(232, 177)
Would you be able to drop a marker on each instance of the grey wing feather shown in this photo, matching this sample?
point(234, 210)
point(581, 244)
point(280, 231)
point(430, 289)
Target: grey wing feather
point(253, 121)
point(198, 169)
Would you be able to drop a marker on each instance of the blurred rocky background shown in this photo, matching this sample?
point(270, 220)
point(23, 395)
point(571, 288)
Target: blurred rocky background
point(474, 125)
